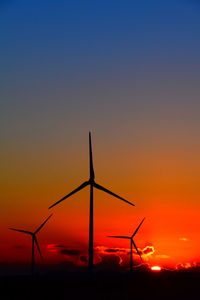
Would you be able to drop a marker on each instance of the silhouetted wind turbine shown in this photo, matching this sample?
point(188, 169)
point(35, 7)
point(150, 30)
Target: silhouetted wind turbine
point(132, 243)
point(34, 241)
point(92, 185)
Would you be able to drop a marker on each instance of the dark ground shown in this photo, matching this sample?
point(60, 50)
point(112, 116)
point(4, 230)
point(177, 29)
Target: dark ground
point(112, 285)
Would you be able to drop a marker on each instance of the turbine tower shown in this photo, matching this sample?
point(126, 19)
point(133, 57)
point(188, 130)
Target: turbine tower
point(132, 243)
point(34, 241)
point(92, 184)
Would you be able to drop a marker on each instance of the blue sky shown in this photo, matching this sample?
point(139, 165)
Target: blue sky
point(71, 66)
point(128, 68)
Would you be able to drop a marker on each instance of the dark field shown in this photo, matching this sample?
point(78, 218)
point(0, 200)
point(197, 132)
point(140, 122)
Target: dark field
point(113, 285)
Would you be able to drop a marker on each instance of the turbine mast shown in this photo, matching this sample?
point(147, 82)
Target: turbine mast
point(131, 255)
point(33, 256)
point(91, 232)
point(91, 212)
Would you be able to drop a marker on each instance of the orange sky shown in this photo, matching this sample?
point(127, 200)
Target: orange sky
point(163, 187)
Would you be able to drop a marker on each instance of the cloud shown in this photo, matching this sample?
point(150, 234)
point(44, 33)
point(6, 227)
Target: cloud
point(105, 250)
point(20, 247)
point(184, 239)
point(54, 247)
point(123, 254)
point(111, 261)
point(162, 256)
point(71, 252)
point(114, 250)
point(186, 265)
point(103, 256)
point(83, 258)
point(148, 250)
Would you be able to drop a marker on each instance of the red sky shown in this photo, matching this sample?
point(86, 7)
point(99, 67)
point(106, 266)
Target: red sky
point(166, 195)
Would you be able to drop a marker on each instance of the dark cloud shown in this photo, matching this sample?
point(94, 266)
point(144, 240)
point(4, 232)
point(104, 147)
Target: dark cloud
point(148, 250)
point(71, 252)
point(104, 257)
point(83, 258)
point(111, 261)
point(114, 250)
point(105, 250)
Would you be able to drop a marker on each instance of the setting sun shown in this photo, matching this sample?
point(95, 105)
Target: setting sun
point(156, 268)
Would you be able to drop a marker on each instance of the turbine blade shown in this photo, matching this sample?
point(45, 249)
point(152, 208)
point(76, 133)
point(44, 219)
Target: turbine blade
point(38, 247)
point(40, 227)
point(23, 231)
point(138, 228)
point(138, 252)
point(91, 159)
point(118, 237)
point(73, 192)
point(99, 187)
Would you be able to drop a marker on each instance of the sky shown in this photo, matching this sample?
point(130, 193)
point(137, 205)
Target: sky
point(128, 71)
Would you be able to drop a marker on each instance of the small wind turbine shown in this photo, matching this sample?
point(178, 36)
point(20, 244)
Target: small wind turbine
point(34, 241)
point(132, 243)
point(92, 185)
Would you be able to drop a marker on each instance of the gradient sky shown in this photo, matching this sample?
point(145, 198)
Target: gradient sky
point(129, 72)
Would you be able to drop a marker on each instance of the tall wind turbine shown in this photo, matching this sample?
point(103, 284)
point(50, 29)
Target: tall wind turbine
point(132, 243)
point(34, 241)
point(92, 184)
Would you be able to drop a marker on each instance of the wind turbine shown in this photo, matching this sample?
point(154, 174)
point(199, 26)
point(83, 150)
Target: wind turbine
point(34, 241)
point(92, 184)
point(132, 243)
